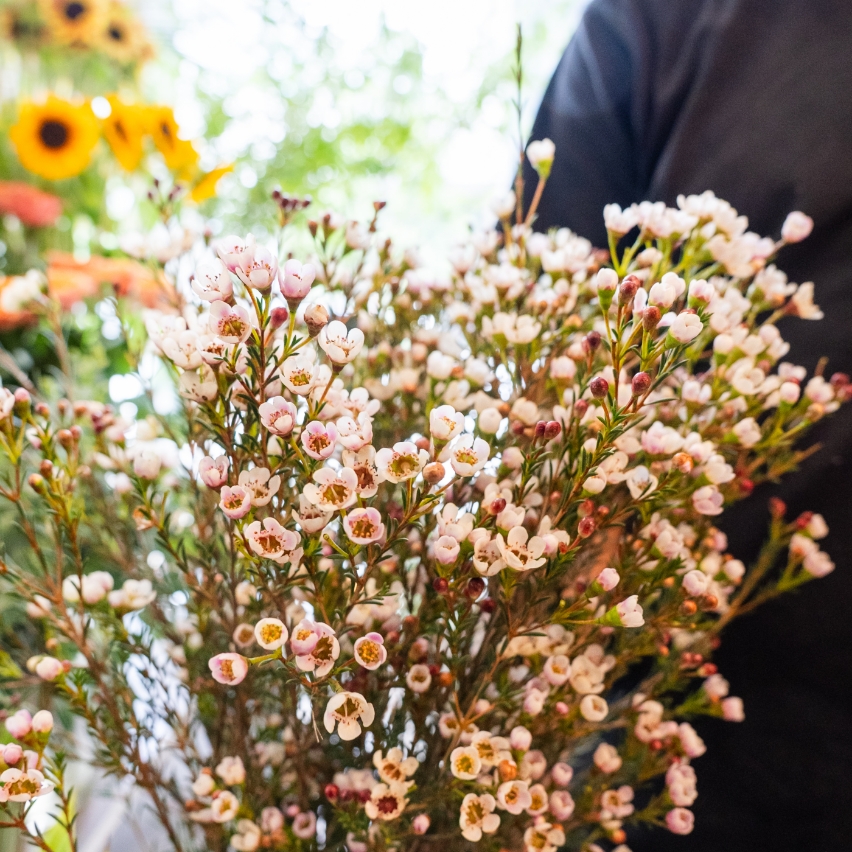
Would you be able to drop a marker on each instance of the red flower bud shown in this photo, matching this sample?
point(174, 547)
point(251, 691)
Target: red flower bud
point(586, 527)
point(592, 341)
point(640, 384)
point(599, 387)
point(440, 585)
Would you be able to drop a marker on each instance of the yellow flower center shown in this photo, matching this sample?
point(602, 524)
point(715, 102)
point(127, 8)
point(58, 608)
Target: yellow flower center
point(369, 652)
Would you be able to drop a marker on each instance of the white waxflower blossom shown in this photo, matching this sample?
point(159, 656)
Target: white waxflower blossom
point(348, 711)
point(339, 344)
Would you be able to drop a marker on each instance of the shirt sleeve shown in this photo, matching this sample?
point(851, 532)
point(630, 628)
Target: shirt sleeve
point(593, 110)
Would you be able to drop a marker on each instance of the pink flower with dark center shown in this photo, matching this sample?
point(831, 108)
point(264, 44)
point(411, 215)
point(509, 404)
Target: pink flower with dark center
point(235, 501)
point(319, 439)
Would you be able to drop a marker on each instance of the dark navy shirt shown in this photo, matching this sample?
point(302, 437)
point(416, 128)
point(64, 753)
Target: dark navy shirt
point(752, 99)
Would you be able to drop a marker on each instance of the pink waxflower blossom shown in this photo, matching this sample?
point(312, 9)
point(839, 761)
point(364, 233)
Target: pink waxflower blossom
point(521, 552)
point(278, 415)
point(708, 500)
point(685, 328)
point(732, 709)
point(445, 423)
point(319, 439)
point(477, 816)
point(19, 724)
point(49, 668)
point(213, 472)
point(562, 804)
point(370, 651)
point(332, 490)
point(419, 678)
point(691, 743)
point(261, 485)
point(339, 344)
point(295, 279)
point(231, 324)
point(231, 249)
point(11, 754)
point(561, 773)
point(270, 633)
point(468, 455)
point(364, 526)
point(520, 738)
point(305, 825)
point(447, 550)
point(270, 540)
point(680, 821)
point(257, 267)
point(315, 646)
point(235, 501)
point(402, 462)
point(607, 758)
point(355, 434)
point(797, 227)
point(420, 824)
point(212, 282)
point(557, 670)
point(608, 579)
point(228, 668)
point(514, 797)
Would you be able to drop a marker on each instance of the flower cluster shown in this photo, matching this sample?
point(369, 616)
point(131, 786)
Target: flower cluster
point(403, 531)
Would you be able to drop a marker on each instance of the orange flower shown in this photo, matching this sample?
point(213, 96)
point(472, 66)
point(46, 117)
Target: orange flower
point(32, 206)
point(70, 280)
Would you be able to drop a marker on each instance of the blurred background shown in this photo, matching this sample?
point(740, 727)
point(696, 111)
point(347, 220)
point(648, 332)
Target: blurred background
point(350, 102)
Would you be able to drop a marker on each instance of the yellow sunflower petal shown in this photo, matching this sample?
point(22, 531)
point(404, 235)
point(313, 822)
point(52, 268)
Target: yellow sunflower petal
point(124, 129)
point(55, 139)
point(180, 155)
point(206, 186)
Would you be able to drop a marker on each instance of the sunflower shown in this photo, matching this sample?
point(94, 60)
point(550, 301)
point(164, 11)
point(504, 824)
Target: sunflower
point(180, 155)
point(122, 36)
point(124, 129)
point(74, 21)
point(55, 139)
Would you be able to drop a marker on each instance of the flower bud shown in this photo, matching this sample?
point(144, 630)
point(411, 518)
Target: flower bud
point(586, 527)
point(683, 462)
point(475, 587)
point(599, 387)
point(278, 316)
point(440, 585)
point(316, 318)
point(797, 226)
point(628, 289)
point(640, 384)
point(650, 317)
point(552, 430)
point(592, 341)
point(433, 473)
point(540, 153)
point(43, 722)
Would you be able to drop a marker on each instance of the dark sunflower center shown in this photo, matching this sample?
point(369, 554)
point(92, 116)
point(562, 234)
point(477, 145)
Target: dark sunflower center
point(53, 133)
point(119, 130)
point(116, 33)
point(74, 10)
point(166, 130)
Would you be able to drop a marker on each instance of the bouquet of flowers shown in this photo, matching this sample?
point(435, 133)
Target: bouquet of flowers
point(411, 559)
